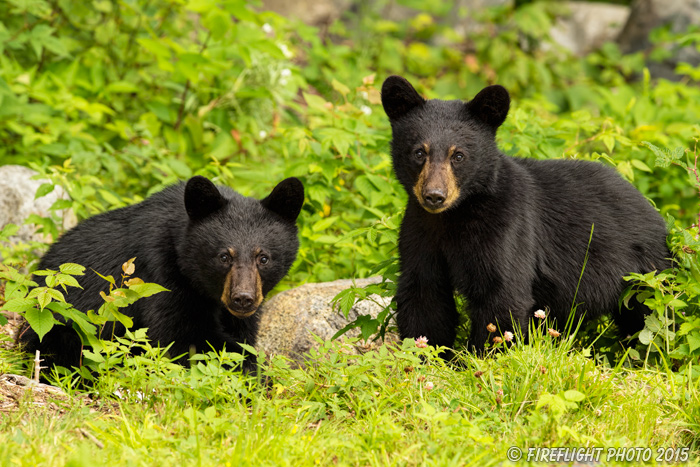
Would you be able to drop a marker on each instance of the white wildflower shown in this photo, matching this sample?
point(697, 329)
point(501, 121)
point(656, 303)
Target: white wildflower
point(285, 50)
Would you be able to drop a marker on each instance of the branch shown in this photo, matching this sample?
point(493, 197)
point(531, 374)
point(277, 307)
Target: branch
point(187, 87)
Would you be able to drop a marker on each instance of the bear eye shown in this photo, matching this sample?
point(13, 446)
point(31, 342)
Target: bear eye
point(458, 157)
point(419, 154)
point(225, 258)
point(263, 259)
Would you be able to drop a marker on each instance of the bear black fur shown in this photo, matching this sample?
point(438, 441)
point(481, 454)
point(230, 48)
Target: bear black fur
point(509, 234)
point(217, 252)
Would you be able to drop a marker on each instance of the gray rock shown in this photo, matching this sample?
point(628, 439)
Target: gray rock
point(291, 317)
point(313, 12)
point(17, 191)
point(646, 15)
point(588, 25)
point(324, 12)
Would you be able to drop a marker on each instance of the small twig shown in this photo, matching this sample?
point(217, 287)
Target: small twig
point(694, 171)
point(697, 177)
point(130, 44)
point(187, 87)
point(37, 366)
point(91, 437)
point(182, 105)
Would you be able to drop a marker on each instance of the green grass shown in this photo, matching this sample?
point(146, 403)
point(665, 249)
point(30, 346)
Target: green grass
point(116, 101)
point(373, 409)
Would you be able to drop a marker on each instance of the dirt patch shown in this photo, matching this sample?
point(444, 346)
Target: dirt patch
point(17, 389)
point(11, 329)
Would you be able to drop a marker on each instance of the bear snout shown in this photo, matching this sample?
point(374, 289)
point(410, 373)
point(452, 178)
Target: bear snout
point(242, 293)
point(243, 301)
point(434, 198)
point(437, 188)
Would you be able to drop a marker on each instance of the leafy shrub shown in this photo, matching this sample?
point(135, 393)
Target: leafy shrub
point(115, 100)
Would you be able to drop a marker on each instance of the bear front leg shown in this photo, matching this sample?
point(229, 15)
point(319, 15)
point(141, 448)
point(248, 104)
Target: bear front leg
point(505, 315)
point(424, 299)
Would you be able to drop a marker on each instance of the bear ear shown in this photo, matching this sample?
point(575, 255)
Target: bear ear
point(490, 105)
point(202, 198)
point(399, 97)
point(286, 199)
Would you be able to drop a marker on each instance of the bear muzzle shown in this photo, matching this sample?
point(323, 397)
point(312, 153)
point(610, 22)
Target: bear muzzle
point(436, 188)
point(242, 293)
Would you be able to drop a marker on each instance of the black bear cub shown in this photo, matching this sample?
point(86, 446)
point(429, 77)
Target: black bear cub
point(508, 234)
point(217, 252)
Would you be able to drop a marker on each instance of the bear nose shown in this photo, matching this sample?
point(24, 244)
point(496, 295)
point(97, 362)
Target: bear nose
point(243, 301)
point(434, 198)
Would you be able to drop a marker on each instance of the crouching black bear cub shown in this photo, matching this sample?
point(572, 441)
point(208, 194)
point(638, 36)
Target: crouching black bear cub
point(216, 251)
point(508, 234)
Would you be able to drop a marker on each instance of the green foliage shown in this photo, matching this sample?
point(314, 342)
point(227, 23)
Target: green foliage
point(115, 100)
point(40, 305)
point(672, 331)
point(399, 404)
point(588, 108)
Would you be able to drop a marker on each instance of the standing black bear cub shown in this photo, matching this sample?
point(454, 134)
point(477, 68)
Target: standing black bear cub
point(218, 253)
point(508, 234)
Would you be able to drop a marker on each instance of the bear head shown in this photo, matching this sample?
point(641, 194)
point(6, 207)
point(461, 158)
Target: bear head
point(444, 151)
point(237, 249)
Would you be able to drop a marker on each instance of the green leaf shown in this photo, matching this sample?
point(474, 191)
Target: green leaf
point(41, 321)
point(634, 354)
point(315, 102)
point(43, 190)
point(8, 231)
point(345, 329)
point(625, 168)
point(55, 294)
point(323, 224)
point(122, 87)
point(677, 304)
point(112, 313)
point(201, 6)
point(368, 326)
point(340, 87)
point(110, 198)
point(72, 269)
point(147, 289)
point(688, 327)
point(93, 356)
point(641, 165)
point(218, 23)
point(44, 272)
point(60, 204)
point(652, 323)
point(250, 350)
point(19, 305)
point(609, 142)
point(574, 396)
point(646, 336)
point(65, 279)
point(694, 341)
point(345, 300)
point(155, 46)
point(109, 278)
point(43, 297)
point(665, 157)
